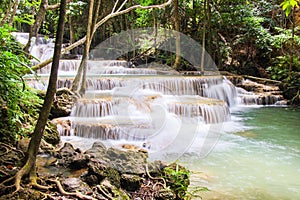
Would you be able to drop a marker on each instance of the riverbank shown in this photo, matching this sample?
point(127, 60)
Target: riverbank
point(98, 173)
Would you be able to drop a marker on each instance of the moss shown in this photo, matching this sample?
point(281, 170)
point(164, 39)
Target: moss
point(51, 135)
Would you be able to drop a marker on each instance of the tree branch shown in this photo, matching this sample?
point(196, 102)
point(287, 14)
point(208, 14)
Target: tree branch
point(55, 6)
point(101, 22)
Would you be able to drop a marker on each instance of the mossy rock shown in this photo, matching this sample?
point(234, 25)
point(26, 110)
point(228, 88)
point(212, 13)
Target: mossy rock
point(51, 134)
point(130, 182)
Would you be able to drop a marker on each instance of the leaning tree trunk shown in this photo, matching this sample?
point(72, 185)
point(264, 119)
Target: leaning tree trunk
point(29, 167)
point(203, 38)
point(14, 11)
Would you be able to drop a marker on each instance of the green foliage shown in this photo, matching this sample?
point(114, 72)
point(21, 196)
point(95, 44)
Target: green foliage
point(177, 178)
point(285, 68)
point(288, 5)
point(14, 96)
point(284, 39)
point(25, 14)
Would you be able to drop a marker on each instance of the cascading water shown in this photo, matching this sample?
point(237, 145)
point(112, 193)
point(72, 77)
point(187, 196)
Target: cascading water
point(120, 101)
point(198, 119)
point(173, 117)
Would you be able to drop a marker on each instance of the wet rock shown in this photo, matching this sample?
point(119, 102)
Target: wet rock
point(131, 182)
point(72, 158)
point(76, 184)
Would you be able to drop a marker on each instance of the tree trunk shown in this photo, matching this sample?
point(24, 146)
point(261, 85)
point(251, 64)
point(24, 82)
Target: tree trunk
point(203, 38)
point(37, 23)
point(72, 33)
point(8, 10)
point(90, 31)
point(177, 29)
point(37, 135)
point(14, 11)
point(81, 74)
point(44, 6)
point(293, 40)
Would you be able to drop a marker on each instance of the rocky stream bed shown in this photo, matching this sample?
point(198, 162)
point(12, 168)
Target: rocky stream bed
point(98, 173)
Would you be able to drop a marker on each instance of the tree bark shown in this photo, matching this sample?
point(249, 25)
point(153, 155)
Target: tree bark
point(14, 11)
point(37, 24)
point(37, 135)
point(177, 29)
point(81, 74)
point(4, 19)
point(203, 38)
point(72, 33)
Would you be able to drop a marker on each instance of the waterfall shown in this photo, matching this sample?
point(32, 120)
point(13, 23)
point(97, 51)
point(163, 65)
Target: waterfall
point(146, 104)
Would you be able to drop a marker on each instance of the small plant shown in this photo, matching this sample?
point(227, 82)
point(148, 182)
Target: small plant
point(177, 178)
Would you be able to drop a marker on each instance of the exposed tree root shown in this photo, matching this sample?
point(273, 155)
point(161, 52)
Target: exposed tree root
point(74, 194)
point(9, 148)
point(106, 194)
point(296, 96)
point(34, 183)
point(160, 178)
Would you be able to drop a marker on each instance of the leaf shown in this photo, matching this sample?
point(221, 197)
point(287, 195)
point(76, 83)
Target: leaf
point(288, 5)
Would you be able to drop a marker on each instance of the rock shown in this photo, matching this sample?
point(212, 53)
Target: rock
point(23, 144)
point(113, 171)
point(72, 158)
point(75, 184)
point(115, 192)
point(131, 182)
point(98, 145)
point(291, 93)
point(51, 135)
point(96, 172)
point(97, 151)
point(166, 193)
point(123, 161)
point(63, 102)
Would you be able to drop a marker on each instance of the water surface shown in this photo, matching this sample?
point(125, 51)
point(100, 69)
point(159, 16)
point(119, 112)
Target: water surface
point(257, 157)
